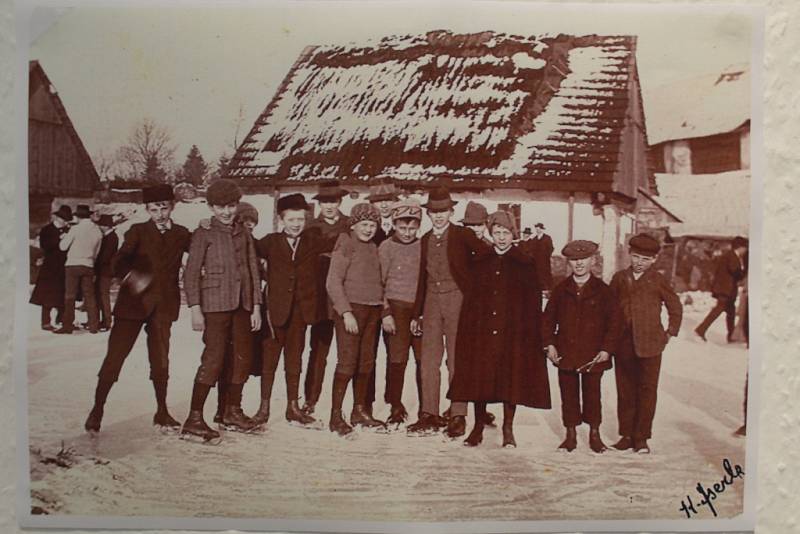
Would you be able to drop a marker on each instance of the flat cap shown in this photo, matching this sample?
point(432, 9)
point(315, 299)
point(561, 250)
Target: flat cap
point(579, 249)
point(222, 192)
point(407, 209)
point(644, 244)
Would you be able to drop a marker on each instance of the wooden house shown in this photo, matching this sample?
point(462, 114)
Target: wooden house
point(58, 164)
point(550, 127)
point(701, 125)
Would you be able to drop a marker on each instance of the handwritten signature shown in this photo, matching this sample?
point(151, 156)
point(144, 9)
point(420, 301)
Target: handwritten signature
point(709, 495)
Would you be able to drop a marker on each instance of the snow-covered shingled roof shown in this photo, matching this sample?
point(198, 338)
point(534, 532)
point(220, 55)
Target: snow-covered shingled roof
point(699, 107)
point(714, 205)
point(474, 108)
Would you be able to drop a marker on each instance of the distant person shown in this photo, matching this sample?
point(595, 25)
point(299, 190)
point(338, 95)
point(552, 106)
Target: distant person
point(49, 289)
point(641, 292)
point(729, 270)
point(81, 243)
point(540, 247)
point(103, 269)
point(147, 265)
point(331, 222)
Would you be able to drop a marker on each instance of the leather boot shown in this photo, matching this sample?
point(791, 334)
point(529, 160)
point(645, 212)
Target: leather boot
point(570, 442)
point(361, 414)
point(162, 418)
point(234, 419)
point(360, 417)
point(398, 415)
point(456, 426)
point(595, 442)
point(295, 415)
point(196, 426)
point(337, 423)
point(624, 443)
point(95, 418)
point(475, 436)
point(262, 415)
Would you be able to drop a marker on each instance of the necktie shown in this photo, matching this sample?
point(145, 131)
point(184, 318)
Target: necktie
point(293, 245)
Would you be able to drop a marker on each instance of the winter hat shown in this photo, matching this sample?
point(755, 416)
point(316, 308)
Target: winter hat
point(245, 210)
point(364, 211)
point(504, 219)
point(407, 209)
point(475, 213)
point(158, 193)
point(579, 249)
point(295, 201)
point(222, 192)
point(644, 244)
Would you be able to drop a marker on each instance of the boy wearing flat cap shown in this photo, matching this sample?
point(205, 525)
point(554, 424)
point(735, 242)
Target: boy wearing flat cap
point(223, 292)
point(291, 257)
point(330, 222)
point(399, 258)
point(444, 276)
point(641, 292)
point(147, 265)
point(579, 335)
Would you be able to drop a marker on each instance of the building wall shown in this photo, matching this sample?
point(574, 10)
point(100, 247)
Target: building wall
point(703, 155)
point(54, 165)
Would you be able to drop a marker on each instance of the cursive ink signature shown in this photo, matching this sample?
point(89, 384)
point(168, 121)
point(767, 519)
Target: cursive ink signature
point(709, 495)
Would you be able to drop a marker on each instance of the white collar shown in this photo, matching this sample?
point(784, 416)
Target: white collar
point(636, 275)
point(582, 280)
point(440, 232)
point(501, 252)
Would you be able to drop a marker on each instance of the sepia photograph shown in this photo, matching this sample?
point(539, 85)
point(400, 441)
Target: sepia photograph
point(371, 266)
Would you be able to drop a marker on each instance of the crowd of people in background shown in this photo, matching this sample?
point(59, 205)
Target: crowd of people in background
point(474, 292)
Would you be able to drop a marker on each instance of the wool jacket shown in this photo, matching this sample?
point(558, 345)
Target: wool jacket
point(399, 269)
point(640, 304)
point(82, 243)
point(158, 256)
point(355, 274)
point(728, 271)
point(222, 270)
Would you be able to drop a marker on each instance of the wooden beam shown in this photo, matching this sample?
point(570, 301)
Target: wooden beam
point(571, 217)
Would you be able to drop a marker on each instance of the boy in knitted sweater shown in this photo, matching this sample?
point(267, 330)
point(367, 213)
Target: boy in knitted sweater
point(354, 286)
point(399, 258)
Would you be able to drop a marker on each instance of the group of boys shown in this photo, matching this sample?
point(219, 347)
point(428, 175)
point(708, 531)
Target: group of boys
point(77, 251)
point(424, 280)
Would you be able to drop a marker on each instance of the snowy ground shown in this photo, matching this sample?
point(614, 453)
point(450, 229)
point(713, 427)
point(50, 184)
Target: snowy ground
point(293, 473)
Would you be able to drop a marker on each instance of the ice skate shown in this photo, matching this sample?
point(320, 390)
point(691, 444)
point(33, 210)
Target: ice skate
point(234, 420)
point(456, 427)
point(475, 437)
point(570, 442)
point(427, 425)
point(197, 431)
point(360, 417)
point(296, 417)
point(508, 438)
point(165, 423)
point(595, 442)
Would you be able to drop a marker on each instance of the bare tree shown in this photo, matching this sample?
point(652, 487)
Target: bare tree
point(149, 146)
point(106, 165)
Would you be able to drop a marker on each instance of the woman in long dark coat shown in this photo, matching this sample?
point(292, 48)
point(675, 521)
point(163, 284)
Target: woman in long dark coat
point(499, 354)
point(49, 289)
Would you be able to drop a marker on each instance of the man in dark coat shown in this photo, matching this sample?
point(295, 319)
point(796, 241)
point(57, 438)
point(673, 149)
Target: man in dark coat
point(578, 334)
point(540, 247)
point(446, 252)
point(49, 289)
point(147, 265)
point(730, 269)
point(291, 257)
point(641, 292)
point(103, 269)
point(330, 223)
point(498, 349)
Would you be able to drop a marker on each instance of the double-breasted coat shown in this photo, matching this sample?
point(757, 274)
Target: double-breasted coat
point(49, 288)
point(499, 354)
point(640, 303)
point(147, 250)
point(579, 323)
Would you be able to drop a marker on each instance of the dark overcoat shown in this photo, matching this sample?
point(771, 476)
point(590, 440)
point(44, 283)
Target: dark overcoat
point(462, 246)
point(147, 250)
point(579, 324)
point(727, 273)
point(291, 281)
point(103, 264)
point(640, 303)
point(329, 232)
point(499, 354)
point(49, 288)
point(541, 250)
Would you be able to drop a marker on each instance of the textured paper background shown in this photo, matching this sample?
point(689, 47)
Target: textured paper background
point(778, 486)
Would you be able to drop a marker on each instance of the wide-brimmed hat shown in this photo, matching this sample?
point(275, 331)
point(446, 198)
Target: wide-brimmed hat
point(158, 193)
point(407, 209)
point(504, 219)
point(222, 192)
point(439, 200)
point(644, 244)
point(330, 190)
point(382, 189)
point(527, 231)
point(294, 201)
point(64, 212)
point(364, 211)
point(105, 220)
point(82, 211)
point(475, 213)
point(539, 225)
point(579, 249)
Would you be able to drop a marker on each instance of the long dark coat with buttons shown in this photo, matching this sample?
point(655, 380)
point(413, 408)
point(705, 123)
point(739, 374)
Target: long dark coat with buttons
point(499, 355)
point(49, 289)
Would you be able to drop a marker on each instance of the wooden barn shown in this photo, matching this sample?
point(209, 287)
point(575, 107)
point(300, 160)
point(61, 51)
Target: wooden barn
point(58, 164)
point(550, 127)
point(701, 125)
